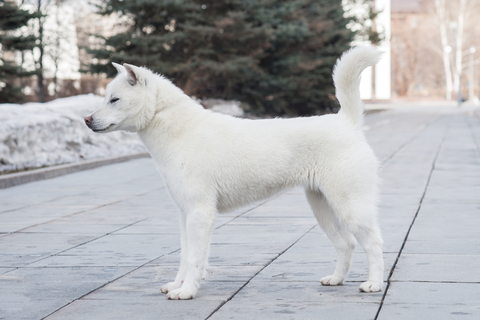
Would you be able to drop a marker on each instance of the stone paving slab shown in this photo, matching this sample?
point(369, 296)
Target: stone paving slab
point(33, 293)
point(442, 252)
point(98, 244)
point(150, 308)
point(20, 249)
point(291, 300)
point(438, 268)
point(424, 300)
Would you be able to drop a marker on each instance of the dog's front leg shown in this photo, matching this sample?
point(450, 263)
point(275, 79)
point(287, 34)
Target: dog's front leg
point(182, 271)
point(199, 225)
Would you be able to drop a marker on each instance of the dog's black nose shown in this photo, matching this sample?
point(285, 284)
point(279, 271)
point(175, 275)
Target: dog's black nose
point(88, 121)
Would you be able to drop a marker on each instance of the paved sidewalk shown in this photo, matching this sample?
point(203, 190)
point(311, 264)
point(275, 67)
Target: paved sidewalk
point(99, 244)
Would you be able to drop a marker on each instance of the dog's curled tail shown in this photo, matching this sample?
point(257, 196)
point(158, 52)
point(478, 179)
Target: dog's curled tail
point(346, 77)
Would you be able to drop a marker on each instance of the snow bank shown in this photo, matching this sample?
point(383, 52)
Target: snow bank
point(231, 107)
point(35, 135)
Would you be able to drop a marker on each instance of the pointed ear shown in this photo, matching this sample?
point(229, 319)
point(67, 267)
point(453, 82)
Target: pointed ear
point(134, 75)
point(119, 67)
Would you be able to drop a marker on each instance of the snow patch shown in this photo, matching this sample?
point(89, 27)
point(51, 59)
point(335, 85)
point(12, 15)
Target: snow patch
point(230, 107)
point(36, 135)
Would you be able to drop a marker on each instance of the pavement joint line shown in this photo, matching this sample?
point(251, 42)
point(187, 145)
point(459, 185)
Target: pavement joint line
point(403, 145)
point(263, 268)
point(433, 281)
point(167, 254)
point(39, 224)
point(79, 267)
point(39, 203)
point(307, 281)
point(78, 212)
point(392, 270)
point(78, 245)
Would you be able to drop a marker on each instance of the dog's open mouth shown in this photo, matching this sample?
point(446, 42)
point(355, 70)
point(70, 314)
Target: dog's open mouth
point(104, 129)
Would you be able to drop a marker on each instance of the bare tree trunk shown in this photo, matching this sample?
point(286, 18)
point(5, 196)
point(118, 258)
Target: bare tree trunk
point(22, 61)
point(374, 29)
point(440, 10)
point(458, 46)
point(55, 80)
point(471, 96)
point(41, 97)
point(56, 58)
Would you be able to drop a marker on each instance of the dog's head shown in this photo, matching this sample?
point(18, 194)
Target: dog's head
point(127, 104)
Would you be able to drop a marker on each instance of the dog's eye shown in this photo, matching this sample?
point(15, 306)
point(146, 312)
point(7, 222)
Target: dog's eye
point(113, 100)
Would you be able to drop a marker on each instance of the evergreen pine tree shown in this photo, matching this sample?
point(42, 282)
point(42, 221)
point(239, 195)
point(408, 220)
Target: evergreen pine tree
point(206, 47)
point(306, 36)
point(275, 55)
point(11, 40)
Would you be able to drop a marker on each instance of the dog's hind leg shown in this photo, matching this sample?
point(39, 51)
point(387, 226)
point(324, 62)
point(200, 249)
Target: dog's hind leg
point(371, 241)
point(357, 212)
point(183, 258)
point(199, 225)
point(343, 241)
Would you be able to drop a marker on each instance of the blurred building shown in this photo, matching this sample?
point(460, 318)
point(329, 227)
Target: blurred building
point(410, 25)
point(434, 48)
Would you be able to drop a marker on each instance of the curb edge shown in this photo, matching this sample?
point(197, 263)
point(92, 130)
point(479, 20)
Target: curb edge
point(14, 179)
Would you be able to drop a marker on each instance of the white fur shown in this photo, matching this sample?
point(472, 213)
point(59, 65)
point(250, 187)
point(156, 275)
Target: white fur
point(214, 163)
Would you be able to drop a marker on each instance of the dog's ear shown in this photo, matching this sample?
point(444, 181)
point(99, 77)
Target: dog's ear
point(134, 75)
point(119, 67)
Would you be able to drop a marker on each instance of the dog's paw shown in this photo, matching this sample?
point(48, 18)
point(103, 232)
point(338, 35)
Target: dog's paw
point(166, 288)
point(371, 286)
point(181, 294)
point(331, 281)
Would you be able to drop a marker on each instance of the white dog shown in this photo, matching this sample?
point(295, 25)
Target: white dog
point(214, 163)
